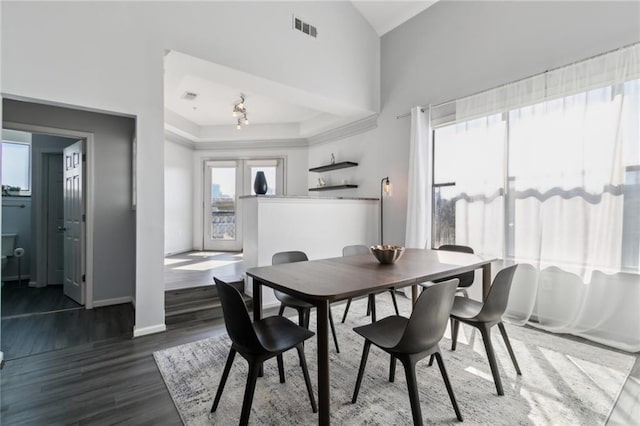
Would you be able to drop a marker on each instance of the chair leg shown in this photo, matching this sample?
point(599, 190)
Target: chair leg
point(486, 338)
point(412, 386)
point(280, 368)
point(333, 331)
point(369, 297)
point(363, 363)
point(249, 391)
point(393, 298)
point(373, 307)
point(463, 291)
point(392, 369)
point(447, 383)
point(301, 318)
point(281, 310)
point(307, 380)
point(503, 331)
point(455, 325)
point(307, 316)
point(223, 379)
point(431, 360)
point(346, 310)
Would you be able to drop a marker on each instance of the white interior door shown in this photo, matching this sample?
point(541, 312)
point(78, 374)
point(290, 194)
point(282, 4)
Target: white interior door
point(55, 219)
point(222, 216)
point(73, 227)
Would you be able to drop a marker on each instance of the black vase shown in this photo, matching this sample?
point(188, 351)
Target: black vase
point(260, 184)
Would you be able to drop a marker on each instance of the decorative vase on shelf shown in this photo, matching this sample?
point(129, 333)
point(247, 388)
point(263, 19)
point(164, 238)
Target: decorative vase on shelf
point(260, 184)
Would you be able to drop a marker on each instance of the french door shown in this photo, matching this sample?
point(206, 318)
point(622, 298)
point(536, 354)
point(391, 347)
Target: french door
point(224, 182)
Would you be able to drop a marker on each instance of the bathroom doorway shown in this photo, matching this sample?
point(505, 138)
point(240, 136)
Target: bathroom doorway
point(33, 227)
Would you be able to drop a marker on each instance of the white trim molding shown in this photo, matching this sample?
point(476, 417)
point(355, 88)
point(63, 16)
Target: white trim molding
point(351, 129)
point(158, 328)
point(113, 301)
point(235, 144)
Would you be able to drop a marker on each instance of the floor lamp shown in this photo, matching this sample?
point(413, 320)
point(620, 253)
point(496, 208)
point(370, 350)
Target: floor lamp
point(385, 189)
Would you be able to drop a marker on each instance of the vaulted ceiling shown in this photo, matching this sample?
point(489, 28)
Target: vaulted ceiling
point(200, 95)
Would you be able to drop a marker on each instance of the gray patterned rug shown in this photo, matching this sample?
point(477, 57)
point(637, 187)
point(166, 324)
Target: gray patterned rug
point(563, 381)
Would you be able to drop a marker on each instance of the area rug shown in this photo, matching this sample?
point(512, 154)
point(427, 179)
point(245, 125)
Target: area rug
point(562, 382)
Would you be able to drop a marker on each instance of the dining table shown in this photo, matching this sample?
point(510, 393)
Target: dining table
point(323, 281)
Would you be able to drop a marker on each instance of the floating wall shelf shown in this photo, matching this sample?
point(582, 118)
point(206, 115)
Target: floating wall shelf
point(335, 166)
point(332, 188)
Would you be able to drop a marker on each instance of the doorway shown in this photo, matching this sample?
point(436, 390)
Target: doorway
point(45, 222)
point(224, 182)
point(33, 223)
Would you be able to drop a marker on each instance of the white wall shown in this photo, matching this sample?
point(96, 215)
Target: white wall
point(455, 49)
point(318, 227)
point(109, 56)
point(296, 171)
point(178, 198)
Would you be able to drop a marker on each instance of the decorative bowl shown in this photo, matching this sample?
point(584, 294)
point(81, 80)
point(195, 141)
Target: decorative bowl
point(387, 254)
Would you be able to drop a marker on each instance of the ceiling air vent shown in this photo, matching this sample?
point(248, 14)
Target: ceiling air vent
point(305, 27)
point(190, 96)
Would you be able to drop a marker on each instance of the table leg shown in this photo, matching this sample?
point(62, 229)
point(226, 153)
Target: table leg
point(257, 309)
point(257, 299)
point(414, 294)
point(486, 280)
point(323, 362)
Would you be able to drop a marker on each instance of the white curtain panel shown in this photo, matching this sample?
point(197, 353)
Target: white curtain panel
point(551, 180)
point(418, 229)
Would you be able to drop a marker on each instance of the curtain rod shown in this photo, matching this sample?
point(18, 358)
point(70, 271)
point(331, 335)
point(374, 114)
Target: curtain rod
point(519, 80)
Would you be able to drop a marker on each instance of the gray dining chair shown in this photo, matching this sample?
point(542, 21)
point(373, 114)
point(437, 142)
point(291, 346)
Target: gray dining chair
point(466, 278)
point(484, 316)
point(412, 339)
point(288, 301)
point(257, 342)
point(371, 298)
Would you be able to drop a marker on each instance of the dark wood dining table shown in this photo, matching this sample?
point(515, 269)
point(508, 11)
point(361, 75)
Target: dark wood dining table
point(323, 281)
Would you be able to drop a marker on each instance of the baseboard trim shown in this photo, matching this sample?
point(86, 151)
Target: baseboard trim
point(158, 328)
point(114, 301)
point(181, 251)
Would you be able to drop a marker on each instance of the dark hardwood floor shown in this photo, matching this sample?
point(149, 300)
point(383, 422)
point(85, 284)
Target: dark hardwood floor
point(22, 300)
point(43, 332)
point(116, 381)
point(106, 382)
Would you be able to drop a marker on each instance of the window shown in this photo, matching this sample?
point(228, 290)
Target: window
point(16, 165)
point(553, 183)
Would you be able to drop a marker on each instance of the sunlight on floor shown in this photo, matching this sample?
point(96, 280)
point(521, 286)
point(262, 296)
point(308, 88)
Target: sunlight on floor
point(486, 376)
point(205, 253)
point(168, 261)
point(208, 264)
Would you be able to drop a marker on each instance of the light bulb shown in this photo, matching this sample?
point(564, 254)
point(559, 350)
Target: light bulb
point(246, 121)
point(387, 187)
point(241, 105)
point(238, 126)
point(235, 114)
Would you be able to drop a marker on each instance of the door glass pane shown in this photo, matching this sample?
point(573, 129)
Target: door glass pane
point(223, 203)
point(269, 174)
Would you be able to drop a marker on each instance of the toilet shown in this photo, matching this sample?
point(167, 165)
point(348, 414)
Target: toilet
point(8, 246)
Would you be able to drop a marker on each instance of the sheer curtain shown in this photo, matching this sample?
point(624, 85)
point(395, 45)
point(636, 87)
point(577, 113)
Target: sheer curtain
point(547, 174)
point(418, 230)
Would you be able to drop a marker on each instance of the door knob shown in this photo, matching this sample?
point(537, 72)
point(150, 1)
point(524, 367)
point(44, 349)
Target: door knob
point(61, 228)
